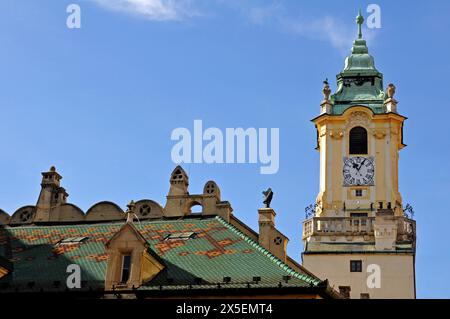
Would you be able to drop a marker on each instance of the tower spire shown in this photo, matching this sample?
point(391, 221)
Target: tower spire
point(359, 83)
point(359, 21)
point(359, 45)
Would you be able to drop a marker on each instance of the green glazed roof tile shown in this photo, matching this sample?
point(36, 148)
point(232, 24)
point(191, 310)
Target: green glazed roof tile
point(218, 250)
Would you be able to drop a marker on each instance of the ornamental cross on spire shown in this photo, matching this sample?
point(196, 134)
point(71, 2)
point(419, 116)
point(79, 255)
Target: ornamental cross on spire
point(359, 21)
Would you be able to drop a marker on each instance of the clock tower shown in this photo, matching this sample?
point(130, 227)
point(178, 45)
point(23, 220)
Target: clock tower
point(358, 235)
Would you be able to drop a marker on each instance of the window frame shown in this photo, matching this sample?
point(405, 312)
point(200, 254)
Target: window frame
point(123, 269)
point(355, 265)
point(351, 150)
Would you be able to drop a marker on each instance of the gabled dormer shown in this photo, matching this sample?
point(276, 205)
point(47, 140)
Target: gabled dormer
point(131, 262)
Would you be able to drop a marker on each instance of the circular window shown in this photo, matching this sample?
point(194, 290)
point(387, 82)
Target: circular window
point(210, 188)
point(145, 210)
point(25, 216)
point(278, 240)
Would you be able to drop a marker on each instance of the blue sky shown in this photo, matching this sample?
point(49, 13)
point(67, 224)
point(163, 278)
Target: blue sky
point(100, 102)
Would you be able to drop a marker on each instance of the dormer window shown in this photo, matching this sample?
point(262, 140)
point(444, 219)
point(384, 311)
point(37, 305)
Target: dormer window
point(131, 261)
point(358, 140)
point(126, 268)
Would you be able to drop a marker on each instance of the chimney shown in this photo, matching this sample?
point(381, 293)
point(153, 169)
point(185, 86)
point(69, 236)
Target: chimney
point(178, 193)
point(51, 196)
point(269, 237)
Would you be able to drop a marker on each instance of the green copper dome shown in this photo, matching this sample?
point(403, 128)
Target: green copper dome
point(360, 60)
point(359, 83)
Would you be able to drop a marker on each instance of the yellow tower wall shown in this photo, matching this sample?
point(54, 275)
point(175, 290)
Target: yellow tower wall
point(396, 273)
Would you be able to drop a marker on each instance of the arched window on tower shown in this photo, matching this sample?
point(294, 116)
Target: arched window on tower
point(358, 140)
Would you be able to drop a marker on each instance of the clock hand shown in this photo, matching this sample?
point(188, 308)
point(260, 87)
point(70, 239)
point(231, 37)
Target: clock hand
point(361, 164)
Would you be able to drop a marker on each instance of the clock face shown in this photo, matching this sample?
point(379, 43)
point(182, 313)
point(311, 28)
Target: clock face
point(358, 170)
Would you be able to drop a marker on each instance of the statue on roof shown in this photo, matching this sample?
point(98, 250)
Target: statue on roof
point(390, 90)
point(268, 194)
point(130, 212)
point(326, 90)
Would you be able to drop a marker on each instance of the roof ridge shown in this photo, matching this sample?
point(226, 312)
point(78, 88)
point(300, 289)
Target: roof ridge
point(107, 223)
point(266, 252)
point(118, 222)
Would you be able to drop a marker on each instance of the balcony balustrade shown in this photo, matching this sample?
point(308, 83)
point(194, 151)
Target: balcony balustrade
point(335, 226)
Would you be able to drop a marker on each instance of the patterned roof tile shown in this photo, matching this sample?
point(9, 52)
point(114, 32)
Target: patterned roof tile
point(219, 250)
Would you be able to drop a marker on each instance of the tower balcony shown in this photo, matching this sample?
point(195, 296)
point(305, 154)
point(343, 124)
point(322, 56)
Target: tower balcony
point(355, 226)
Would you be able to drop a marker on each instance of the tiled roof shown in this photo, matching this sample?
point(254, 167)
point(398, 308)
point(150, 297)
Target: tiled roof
point(219, 250)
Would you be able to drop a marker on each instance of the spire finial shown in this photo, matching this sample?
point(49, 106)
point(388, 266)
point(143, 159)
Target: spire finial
point(359, 21)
